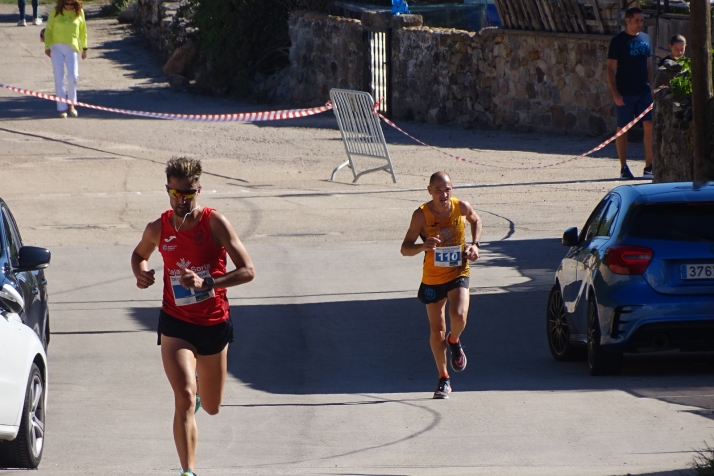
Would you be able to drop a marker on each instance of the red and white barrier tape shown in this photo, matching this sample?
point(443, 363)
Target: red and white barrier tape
point(462, 159)
point(240, 117)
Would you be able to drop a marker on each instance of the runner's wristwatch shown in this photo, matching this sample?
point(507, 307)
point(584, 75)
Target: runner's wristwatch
point(477, 244)
point(210, 282)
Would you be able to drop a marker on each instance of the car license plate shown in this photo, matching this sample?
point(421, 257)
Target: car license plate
point(697, 271)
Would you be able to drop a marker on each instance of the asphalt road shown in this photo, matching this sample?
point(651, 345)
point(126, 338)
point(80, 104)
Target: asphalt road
point(331, 371)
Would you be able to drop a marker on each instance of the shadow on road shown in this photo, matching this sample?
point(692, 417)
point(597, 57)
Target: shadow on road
point(381, 345)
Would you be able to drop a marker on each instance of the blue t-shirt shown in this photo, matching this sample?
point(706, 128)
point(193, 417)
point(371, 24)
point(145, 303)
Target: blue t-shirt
point(632, 54)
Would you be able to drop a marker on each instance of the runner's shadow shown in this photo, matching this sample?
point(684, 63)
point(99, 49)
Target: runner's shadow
point(362, 344)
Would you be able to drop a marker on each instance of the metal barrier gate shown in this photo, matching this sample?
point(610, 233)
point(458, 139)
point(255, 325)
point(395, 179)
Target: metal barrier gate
point(379, 64)
point(361, 131)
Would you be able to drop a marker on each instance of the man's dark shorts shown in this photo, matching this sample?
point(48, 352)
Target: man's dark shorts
point(208, 340)
point(433, 293)
point(634, 106)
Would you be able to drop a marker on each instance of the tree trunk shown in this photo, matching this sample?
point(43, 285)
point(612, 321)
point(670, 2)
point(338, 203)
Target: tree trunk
point(700, 51)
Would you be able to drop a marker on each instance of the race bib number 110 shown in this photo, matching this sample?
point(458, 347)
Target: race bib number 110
point(448, 256)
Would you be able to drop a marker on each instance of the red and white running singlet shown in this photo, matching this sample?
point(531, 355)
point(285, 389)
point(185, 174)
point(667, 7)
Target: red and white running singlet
point(193, 249)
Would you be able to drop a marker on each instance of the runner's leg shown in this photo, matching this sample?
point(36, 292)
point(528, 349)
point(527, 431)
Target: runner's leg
point(437, 324)
point(212, 372)
point(180, 366)
point(458, 311)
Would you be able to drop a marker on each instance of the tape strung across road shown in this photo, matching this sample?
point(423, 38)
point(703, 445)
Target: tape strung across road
point(463, 159)
point(240, 117)
point(295, 113)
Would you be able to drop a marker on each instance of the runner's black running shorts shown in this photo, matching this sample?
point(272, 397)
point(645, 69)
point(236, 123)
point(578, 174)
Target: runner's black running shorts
point(207, 340)
point(432, 293)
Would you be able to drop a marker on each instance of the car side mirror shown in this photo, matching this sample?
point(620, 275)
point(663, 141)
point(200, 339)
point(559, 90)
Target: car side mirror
point(570, 236)
point(33, 258)
point(10, 299)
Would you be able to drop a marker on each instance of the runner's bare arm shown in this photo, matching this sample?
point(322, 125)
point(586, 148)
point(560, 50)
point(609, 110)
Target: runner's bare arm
point(472, 217)
point(142, 252)
point(225, 236)
point(409, 246)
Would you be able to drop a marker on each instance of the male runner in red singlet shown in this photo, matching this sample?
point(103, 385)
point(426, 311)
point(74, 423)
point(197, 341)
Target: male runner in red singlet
point(440, 224)
point(194, 323)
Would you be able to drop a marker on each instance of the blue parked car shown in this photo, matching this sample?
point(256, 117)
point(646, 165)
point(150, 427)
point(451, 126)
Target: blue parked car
point(639, 277)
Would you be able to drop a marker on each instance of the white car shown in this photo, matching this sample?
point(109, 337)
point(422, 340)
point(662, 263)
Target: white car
point(23, 386)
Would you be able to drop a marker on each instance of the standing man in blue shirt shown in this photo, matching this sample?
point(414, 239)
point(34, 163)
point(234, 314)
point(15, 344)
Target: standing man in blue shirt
point(629, 74)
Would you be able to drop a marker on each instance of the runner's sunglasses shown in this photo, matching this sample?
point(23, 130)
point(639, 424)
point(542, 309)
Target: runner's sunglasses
point(187, 194)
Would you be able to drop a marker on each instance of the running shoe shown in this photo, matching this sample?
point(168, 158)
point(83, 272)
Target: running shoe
point(443, 389)
point(625, 173)
point(63, 115)
point(22, 22)
point(458, 358)
point(647, 172)
point(187, 473)
point(37, 21)
point(73, 113)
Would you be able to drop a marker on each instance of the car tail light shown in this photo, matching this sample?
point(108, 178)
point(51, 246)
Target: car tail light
point(626, 259)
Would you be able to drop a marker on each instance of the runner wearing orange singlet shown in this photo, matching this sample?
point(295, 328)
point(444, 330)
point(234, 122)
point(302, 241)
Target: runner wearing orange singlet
point(441, 226)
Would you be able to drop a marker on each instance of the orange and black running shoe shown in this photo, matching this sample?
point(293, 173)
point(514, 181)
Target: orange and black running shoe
point(458, 358)
point(443, 389)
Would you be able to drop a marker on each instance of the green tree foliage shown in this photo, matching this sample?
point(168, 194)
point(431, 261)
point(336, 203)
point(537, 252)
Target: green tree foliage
point(243, 37)
point(681, 85)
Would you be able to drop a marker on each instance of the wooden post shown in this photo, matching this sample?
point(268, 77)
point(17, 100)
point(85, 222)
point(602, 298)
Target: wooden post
point(701, 47)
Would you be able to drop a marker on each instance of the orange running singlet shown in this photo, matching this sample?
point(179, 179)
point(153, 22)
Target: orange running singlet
point(448, 262)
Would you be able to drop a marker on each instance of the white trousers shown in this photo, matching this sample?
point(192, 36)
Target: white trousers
point(64, 55)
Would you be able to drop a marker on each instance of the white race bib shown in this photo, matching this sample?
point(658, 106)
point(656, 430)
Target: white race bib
point(448, 256)
point(184, 297)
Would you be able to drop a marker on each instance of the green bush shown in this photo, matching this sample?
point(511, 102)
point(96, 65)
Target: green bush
point(681, 85)
point(241, 38)
point(115, 7)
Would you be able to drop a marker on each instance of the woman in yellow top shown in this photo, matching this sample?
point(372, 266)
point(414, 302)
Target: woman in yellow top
point(440, 223)
point(65, 38)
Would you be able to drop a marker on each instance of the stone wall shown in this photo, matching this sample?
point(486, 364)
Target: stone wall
point(165, 24)
point(326, 53)
point(504, 78)
point(525, 80)
point(673, 141)
point(673, 147)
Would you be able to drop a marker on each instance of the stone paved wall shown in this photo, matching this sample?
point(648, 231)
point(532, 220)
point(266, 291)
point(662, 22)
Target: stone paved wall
point(326, 53)
point(165, 24)
point(503, 78)
point(672, 138)
point(673, 147)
